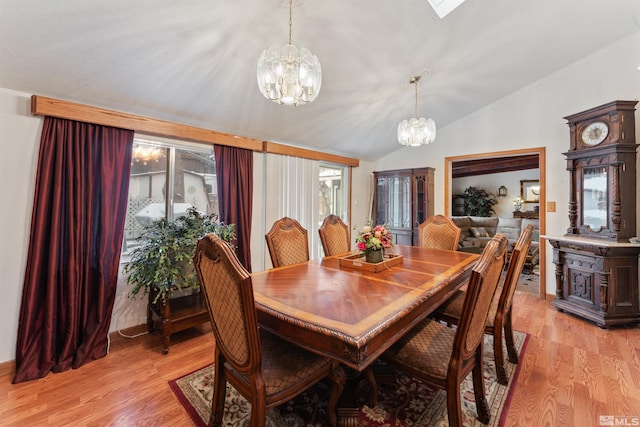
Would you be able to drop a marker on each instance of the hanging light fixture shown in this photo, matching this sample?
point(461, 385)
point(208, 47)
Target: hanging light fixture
point(288, 76)
point(415, 132)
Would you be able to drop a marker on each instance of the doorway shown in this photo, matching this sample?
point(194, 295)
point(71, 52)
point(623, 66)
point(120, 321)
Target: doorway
point(541, 154)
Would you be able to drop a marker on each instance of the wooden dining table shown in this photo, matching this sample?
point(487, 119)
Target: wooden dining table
point(353, 315)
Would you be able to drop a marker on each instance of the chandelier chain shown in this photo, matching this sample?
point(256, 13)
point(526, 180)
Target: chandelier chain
point(415, 83)
point(290, 18)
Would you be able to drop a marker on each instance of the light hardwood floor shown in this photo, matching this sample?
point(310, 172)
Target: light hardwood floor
point(572, 373)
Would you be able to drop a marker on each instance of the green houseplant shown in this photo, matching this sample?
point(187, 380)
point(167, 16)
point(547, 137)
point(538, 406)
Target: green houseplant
point(479, 202)
point(163, 261)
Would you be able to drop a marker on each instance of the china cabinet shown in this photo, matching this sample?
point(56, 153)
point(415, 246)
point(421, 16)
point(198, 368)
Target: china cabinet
point(596, 265)
point(403, 199)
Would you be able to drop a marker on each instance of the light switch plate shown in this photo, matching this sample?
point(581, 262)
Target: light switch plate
point(551, 206)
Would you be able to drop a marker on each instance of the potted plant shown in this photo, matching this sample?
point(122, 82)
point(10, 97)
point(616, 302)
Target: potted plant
point(163, 261)
point(479, 202)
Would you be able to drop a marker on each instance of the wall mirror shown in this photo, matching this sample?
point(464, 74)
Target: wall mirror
point(530, 190)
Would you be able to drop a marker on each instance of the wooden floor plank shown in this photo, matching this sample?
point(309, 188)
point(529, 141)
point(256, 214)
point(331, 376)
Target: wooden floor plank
point(571, 373)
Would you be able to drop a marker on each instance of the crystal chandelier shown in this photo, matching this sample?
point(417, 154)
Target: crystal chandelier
point(288, 76)
point(415, 132)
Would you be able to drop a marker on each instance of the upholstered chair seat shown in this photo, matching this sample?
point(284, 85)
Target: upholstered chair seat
point(443, 356)
point(265, 369)
point(499, 317)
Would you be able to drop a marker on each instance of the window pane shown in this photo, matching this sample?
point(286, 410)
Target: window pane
point(333, 195)
point(168, 175)
point(194, 182)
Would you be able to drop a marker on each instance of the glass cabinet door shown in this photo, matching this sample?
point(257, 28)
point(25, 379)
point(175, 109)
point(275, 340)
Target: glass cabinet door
point(399, 214)
point(594, 197)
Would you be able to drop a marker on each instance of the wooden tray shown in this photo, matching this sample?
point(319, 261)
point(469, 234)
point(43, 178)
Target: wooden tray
point(358, 262)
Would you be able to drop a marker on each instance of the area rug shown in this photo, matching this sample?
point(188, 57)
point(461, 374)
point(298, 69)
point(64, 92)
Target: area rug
point(409, 402)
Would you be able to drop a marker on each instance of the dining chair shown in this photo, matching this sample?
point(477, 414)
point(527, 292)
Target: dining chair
point(443, 356)
point(263, 368)
point(439, 232)
point(287, 242)
point(499, 318)
point(334, 236)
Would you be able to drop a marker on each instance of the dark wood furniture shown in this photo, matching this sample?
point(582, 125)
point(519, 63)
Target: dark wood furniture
point(499, 318)
point(526, 214)
point(596, 266)
point(351, 315)
point(403, 199)
point(179, 313)
point(442, 356)
point(264, 369)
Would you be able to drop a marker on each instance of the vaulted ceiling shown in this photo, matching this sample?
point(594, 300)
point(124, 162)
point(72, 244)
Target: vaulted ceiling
point(194, 61)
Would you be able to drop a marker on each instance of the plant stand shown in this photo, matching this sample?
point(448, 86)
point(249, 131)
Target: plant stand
point(176, 315)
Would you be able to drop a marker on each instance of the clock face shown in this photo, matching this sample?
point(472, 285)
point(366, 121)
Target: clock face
point(595, 133)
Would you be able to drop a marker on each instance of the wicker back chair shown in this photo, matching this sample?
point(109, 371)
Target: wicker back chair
point(500, 310)
point(263, 368)
point(443, 356)
point(439, 232)
point(334, 235)
point(287, 242)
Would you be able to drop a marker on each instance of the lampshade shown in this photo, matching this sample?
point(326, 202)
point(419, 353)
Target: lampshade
point(287, 75)
point(415, 132)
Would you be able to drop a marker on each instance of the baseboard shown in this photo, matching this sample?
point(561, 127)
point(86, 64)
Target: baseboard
point(550, 297)
point(129, 332)
point(8, 368)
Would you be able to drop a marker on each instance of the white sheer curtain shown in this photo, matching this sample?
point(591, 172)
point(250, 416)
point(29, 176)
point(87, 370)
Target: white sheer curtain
point(291, 189)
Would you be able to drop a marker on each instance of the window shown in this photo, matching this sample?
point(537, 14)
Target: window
point(166, 180)
point(333, 191)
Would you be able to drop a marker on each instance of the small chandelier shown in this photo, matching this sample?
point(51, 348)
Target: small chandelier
point(144, 154)
point(288, 76)
point(415, 132)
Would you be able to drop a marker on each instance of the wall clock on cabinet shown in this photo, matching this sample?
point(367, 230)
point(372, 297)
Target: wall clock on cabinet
point(594, 133)
point(596, 264)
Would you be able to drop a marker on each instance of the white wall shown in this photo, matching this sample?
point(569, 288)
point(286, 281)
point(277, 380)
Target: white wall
point(491, 183)
point(533, 117)
point(20, 141)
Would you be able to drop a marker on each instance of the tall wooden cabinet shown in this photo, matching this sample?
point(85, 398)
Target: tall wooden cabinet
point(596, 264)
point(403, 199)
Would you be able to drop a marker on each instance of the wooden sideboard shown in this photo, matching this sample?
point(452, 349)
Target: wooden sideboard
point(527, 214)
point(596, 279)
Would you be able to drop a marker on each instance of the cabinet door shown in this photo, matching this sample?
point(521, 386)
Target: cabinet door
point(581, 286)
point(393, 201)
point(399, 213)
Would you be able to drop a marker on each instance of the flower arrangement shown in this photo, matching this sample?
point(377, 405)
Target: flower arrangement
point(374, 239)
point(517, 203)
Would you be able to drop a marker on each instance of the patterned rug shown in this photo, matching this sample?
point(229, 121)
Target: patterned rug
point(409, 402)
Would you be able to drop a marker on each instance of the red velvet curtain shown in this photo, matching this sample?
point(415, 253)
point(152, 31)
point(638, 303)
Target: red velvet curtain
point(77, 225)
point(234, 171)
